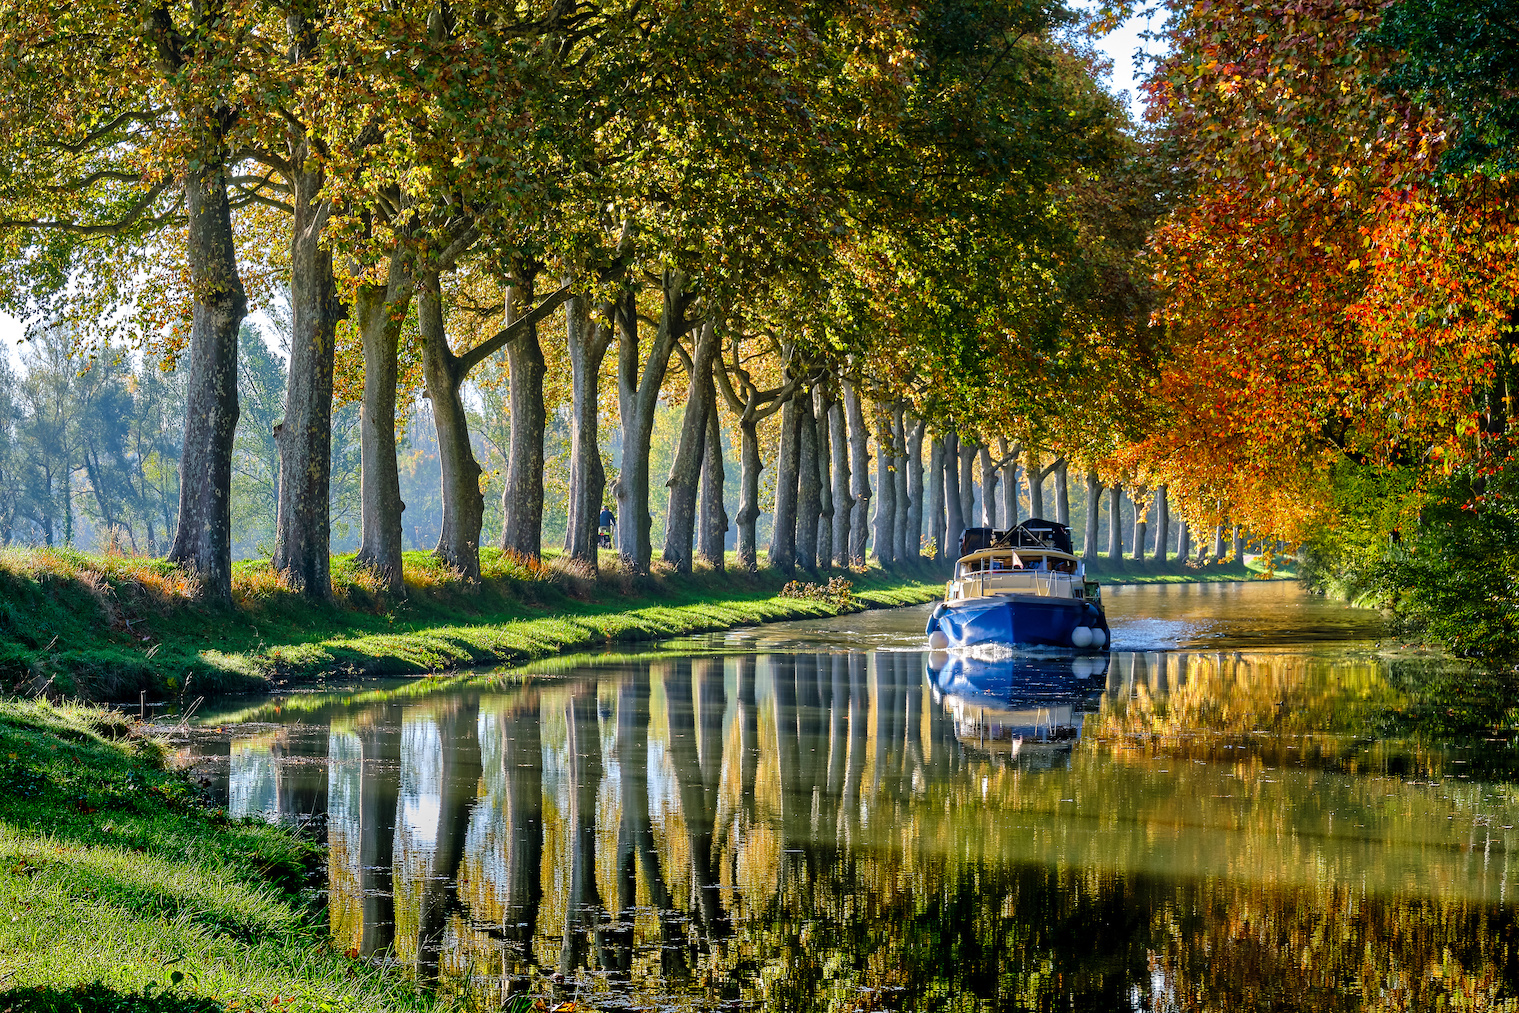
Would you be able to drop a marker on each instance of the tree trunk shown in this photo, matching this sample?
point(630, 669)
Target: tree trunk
point(637, 394)
point(822, 407)
point(1094, 508)
point(989, 477)
point(1218, 544)
point(915, 433)
point(463, 505)
point(685, 471)
point(886, 488)
point(522, 494)
point(936, 496)
point(1033, 470)
point(859, 475)
point(1115, 523)
point(379, 312)
point(783, 531)
point(302, 546)
point(954, 503)
point(899, 548)
point(1141, 528)
point(587, 342)
point(748, 495)
point(1062, 494)
point(1184, 543)
point(203, 540)
point(1162, 525)
point(843, 499)
point(713, 536)
point(809, 504)
point(968, 483)
point(1239, 544)
point(1009, 478)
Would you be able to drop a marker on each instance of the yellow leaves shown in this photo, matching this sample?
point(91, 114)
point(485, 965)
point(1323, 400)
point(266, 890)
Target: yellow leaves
point(1353, 265)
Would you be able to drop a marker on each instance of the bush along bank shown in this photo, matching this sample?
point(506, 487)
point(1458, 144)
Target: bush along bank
point(110, 628)
point(123, 889)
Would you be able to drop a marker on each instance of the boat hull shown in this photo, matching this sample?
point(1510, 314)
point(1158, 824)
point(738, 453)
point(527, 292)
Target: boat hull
point(1017, 619)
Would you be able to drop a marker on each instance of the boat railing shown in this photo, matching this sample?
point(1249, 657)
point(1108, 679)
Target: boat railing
point(1045, 584)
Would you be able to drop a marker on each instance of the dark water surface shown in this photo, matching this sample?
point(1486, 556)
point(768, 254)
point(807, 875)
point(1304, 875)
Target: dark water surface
point(1250, 803)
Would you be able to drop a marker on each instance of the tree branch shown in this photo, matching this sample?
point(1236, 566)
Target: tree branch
point(472, 358)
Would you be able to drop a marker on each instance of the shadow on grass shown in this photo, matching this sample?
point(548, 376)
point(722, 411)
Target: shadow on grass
point(97, 998)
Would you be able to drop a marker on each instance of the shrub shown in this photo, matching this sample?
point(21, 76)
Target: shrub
point(838, 592)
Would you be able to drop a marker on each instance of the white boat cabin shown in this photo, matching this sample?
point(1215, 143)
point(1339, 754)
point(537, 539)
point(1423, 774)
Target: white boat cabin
point(1038, 572)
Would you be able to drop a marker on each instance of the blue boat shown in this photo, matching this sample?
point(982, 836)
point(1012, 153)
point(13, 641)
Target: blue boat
point(1023, 586)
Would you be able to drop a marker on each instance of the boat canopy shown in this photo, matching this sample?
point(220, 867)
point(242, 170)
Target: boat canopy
point(1000, 559)
point(1034, 533)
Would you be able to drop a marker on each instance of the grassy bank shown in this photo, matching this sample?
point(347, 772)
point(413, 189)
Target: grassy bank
point(122, 889)
point(110, 627)
point(1151, 571)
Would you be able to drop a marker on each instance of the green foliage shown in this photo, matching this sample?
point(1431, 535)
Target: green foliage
point(1462, 57)
point(1444, 560)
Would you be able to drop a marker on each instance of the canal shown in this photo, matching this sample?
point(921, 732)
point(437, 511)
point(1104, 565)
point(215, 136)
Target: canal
point(1256, 800)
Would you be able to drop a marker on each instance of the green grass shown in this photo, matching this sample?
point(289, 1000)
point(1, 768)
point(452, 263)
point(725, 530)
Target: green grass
point(107, 627)
point(120, 889)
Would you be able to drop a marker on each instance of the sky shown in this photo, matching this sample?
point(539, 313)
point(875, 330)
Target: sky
point(1120, 46)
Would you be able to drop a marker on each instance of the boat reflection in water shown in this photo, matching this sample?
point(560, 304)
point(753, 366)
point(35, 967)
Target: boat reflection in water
point(855, 830)
point(1012, 703)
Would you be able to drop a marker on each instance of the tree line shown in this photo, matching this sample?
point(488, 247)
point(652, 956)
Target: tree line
point(880, 225)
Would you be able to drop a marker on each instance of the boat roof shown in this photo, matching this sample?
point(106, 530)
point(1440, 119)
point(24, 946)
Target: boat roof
point(1030, 552)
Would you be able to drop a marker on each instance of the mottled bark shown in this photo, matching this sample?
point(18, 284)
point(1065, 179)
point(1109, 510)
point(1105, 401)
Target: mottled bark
point(712, 519)
point(522, 493)
point(935, 480)
point(990, 474)
point(859, 474)
point(1239, 544)
point(1094, 508)
point(379, 312)
point(967, 464)
point(915, 431)
point(587, 342)
point(302, 546)
point(638, 385)
point(1183, 543)
point(748, 492)
point(463, 504)
point(1009, 458)
point(1033, 471)
point(821, 406)
point(1115, 523)
point(899, 548)
point(203, 541)
point(809, 501)
point(1141, 526)
point(685, 471)
point(1162, 524)
point(1062, 493)
point(783, 531)
point(1218, 544)
point(886, 488)
point(843, 499)
point(954, 503)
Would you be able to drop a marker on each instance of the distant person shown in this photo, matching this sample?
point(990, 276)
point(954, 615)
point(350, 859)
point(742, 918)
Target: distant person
point(606, 523)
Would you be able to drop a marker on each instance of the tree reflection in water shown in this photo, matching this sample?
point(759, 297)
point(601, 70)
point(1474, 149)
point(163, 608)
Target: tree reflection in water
point(1174, 830)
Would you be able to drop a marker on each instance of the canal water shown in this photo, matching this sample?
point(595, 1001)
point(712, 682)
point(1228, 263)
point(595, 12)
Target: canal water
point(1256, 801)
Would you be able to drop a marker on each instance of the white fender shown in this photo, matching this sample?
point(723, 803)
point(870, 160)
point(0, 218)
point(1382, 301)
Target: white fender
point(1099, 637)
point(938, 641)
point(1081, 636)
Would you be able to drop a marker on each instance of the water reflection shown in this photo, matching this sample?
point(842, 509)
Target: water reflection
point(887, 829)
